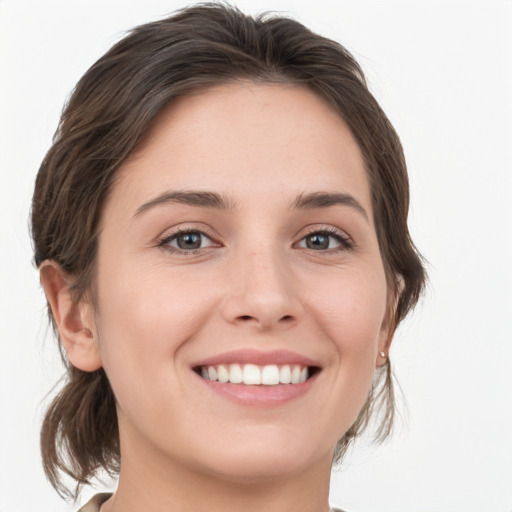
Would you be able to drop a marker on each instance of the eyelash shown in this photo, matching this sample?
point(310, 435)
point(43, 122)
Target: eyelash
point(346, 243)
point(164, 242)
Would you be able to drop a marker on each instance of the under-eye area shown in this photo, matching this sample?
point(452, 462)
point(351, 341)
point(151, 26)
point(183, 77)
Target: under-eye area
point(255, 375)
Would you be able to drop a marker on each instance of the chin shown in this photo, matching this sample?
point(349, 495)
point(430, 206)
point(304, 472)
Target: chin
point(263, 459)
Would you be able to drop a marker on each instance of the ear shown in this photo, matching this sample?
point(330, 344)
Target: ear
point(75, 322)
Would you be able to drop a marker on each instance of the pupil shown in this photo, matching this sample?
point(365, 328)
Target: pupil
point(317, 242)
point(189, 241)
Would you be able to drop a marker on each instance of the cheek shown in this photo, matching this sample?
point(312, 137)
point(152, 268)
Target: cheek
point(351, 315)
point(145, 317)
point(143, 323)
point(351, 310)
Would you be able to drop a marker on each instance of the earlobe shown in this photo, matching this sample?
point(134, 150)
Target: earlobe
point(389, 325)
point(383, 349)
point(75, 322)
point(385, 339)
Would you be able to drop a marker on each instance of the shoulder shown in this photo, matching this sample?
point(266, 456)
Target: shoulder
point(94, 504)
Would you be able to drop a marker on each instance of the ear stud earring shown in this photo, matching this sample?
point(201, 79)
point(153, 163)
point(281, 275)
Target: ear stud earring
point(382, 354)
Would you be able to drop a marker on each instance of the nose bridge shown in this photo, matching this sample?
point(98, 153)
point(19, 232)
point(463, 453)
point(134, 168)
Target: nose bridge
point(262, 288)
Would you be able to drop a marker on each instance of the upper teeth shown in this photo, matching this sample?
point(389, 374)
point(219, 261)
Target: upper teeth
point(251, 374)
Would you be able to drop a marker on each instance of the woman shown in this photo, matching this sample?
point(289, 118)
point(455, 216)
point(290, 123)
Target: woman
point(221, 232)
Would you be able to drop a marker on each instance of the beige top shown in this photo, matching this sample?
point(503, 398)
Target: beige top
point(94, 504)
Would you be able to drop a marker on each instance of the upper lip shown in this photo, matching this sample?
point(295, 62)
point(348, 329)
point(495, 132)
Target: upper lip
point(257, 357)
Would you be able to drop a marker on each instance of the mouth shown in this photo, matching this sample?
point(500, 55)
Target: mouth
point(254, 378)
point(255, 375)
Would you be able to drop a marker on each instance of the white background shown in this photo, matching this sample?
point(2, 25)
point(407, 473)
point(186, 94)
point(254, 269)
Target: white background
point(442, 70)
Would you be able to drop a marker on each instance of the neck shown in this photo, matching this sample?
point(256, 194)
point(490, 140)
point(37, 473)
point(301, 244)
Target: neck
point(147, 482)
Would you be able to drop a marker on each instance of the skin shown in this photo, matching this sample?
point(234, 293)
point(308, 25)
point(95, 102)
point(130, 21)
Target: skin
point(254, 283)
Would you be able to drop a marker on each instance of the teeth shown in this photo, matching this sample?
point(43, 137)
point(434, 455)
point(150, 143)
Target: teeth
point(253, 375)
point(295, 379)
point(285, 374)
point(236, 375)
point(212, 373)
point(270, 375)
point(222, 374)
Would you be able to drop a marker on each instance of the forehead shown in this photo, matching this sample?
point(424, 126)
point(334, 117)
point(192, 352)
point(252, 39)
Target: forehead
point(248, 140)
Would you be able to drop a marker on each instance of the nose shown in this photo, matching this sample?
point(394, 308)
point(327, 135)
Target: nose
point(262, 293)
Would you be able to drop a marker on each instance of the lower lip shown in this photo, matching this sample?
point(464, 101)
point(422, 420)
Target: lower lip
point(264, 396)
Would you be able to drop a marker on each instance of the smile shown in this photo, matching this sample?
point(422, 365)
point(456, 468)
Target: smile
point(258, 378)
point(254, 375)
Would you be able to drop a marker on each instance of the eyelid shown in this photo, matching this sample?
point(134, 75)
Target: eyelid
point(346, 242)
point(164, 240)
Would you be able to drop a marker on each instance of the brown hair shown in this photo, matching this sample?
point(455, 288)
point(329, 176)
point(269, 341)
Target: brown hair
point(112, 108)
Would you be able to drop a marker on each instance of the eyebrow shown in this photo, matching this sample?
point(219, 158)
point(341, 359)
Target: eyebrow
point(316, 200)
point(193, 198)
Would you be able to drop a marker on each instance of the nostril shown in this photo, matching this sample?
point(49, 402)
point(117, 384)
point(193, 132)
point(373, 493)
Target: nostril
point(265, 320)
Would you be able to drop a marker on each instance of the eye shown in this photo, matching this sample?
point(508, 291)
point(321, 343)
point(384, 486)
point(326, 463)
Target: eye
point(187, 241)
point(325, 240)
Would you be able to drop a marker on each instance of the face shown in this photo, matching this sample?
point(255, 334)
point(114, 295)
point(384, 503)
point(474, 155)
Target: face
point(241, 294)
